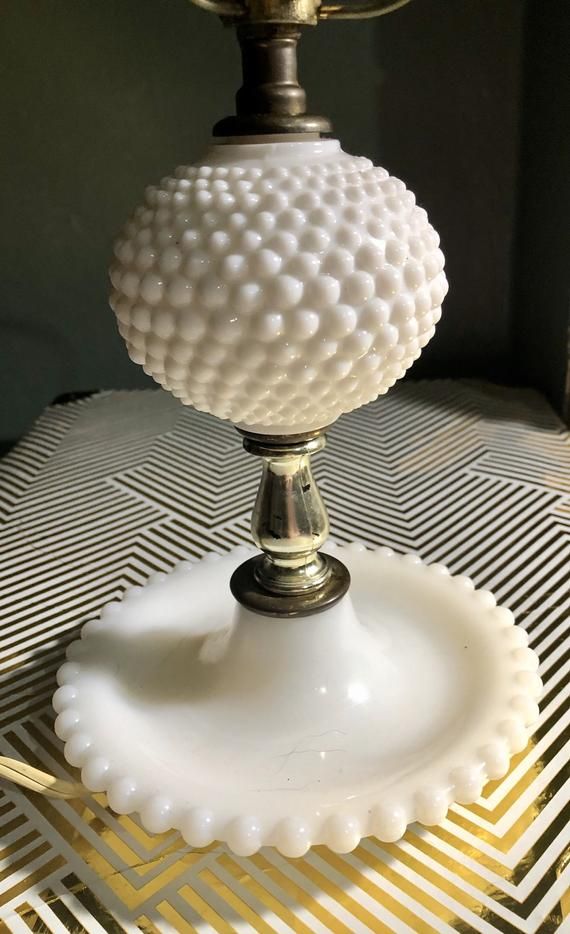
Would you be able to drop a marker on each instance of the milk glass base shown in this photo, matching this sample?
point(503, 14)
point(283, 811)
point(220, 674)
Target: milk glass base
point(405, 697)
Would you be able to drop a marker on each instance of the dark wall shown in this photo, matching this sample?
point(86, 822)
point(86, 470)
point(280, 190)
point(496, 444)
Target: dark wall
point(541, 324)
point(448, 90)
point(96, 100)
point(99, 99)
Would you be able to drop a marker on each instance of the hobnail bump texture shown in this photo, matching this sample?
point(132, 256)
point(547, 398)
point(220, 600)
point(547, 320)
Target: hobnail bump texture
point(278, 285)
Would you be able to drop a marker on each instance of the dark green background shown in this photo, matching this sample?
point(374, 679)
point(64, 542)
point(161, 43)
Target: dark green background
point(100, 98)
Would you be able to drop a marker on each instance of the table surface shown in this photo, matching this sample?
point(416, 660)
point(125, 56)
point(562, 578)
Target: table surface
point(106, 490)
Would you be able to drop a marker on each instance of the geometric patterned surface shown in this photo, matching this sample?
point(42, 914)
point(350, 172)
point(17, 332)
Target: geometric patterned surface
point(107, 490)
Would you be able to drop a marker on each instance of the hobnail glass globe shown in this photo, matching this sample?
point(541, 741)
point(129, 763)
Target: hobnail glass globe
point(278, 285)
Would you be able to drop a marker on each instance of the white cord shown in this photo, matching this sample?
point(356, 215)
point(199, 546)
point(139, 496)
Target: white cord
point(45, 784)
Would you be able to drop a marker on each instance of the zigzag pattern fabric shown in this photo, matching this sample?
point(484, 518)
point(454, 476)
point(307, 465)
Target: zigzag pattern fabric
point(106, 490)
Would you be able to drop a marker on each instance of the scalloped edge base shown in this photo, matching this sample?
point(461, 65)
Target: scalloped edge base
point(298, 656)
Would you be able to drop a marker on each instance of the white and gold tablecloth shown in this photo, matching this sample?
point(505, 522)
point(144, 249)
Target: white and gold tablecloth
point(108, 489)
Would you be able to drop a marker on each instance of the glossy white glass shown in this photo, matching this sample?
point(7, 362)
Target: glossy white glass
point(278, 285)
point(405, 697)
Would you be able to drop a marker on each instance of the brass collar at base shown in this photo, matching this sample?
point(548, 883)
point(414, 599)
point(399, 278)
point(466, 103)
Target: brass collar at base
point(247, 590)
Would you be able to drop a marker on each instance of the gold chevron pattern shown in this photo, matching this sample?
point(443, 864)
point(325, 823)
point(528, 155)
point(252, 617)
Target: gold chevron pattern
point(106, 490)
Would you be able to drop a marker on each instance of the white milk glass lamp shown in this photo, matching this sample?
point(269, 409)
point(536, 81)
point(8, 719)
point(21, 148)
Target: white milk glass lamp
point(287, 696)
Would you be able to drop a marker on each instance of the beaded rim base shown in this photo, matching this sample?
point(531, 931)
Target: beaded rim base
point(493, 720)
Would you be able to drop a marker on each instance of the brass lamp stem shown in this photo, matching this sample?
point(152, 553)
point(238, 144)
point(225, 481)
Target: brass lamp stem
point(270, 100)
point(289, 524)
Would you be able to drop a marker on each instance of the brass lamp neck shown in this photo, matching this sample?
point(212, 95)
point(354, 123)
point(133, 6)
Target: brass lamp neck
point(270, 100)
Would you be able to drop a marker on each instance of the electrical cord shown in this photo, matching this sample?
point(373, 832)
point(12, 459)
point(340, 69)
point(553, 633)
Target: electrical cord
point(45, 784)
